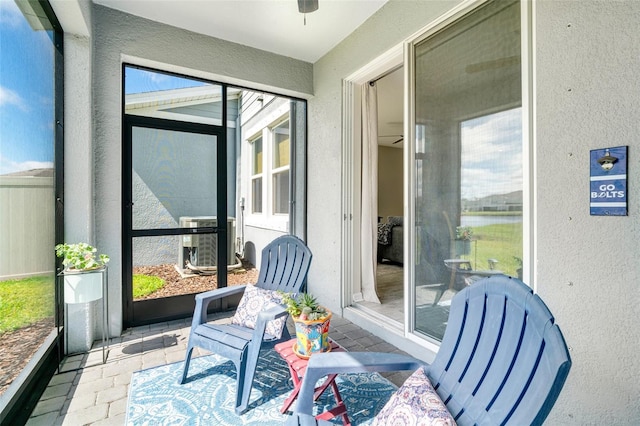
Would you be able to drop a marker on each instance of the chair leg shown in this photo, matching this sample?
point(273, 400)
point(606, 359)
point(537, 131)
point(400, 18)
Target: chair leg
point(246, 374)
point(242, 393)
point(185, 368)
point(439, 294)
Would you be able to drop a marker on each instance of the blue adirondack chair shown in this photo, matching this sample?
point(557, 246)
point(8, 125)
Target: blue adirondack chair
point(285, 263)
point(502, 361)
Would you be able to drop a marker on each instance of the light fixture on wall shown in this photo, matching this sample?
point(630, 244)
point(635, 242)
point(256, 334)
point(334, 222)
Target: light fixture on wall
point(607, 161)
point(307, 6)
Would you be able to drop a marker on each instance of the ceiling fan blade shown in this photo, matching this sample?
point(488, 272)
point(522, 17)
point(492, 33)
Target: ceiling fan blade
point(399, 140)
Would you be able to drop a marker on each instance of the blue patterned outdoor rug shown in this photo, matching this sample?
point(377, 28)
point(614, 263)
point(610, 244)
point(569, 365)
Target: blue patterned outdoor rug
point(208, 396)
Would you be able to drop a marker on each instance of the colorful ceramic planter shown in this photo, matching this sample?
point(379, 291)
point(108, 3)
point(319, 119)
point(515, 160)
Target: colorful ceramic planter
point(312, 336)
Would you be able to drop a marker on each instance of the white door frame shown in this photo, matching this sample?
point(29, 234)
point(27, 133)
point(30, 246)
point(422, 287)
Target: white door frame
point(352, 170)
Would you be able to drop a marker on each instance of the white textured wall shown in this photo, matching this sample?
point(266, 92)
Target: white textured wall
point(78, 141)
point(117, 36)
point(79, 224)
point(587, 268)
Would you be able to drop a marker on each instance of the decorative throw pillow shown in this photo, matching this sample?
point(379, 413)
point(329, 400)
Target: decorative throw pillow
point(415, 403)
point(253, 301)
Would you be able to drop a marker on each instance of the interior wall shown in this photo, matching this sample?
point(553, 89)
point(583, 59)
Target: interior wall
point(118, 37)
point(390, 181)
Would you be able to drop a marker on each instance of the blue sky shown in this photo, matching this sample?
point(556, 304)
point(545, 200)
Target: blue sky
point(139, 81)
point(492, 154)
point(27, 97)
point(26, 93)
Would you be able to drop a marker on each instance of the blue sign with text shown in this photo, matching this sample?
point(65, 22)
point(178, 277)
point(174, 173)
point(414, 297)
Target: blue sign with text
point(609, 181)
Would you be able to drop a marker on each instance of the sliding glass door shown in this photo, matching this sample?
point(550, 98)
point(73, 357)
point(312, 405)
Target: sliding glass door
point(466, 179)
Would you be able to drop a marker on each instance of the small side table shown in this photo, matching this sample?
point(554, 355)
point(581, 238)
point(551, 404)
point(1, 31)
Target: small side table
point(298, 367)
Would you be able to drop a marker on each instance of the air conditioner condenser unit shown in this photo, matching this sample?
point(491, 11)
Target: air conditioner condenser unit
point(201, 250)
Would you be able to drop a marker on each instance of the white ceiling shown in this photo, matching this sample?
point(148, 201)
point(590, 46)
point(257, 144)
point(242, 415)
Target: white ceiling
point(277, 26)
point(272, 25)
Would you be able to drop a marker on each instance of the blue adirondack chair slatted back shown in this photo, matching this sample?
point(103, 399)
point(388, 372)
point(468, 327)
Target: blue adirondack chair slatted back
point(285, 263)
point(500, 346)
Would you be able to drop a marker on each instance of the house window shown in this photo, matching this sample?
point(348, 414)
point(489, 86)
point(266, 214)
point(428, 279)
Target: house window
point(280, 171)
point(269, 142)
point(256, 175)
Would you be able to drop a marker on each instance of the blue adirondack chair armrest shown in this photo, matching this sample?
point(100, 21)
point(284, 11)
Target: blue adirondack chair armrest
point(323, 364)
point(264, 317)
point(272, 313)
point(203, 300)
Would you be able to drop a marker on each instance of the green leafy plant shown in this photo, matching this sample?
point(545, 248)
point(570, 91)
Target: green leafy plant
point(464, 233)
point(80, 256)
point(304, 306)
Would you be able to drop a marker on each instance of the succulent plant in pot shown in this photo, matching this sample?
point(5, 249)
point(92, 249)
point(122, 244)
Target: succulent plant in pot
point(312, 324)
point(304, 306)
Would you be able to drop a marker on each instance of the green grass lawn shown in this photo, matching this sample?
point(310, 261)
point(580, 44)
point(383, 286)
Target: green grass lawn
point(144, 285)
point(25, 301)
point(502, 242)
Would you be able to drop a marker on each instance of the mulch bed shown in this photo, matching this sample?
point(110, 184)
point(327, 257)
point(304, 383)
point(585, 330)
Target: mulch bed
point(17, 347)
point(175, 284)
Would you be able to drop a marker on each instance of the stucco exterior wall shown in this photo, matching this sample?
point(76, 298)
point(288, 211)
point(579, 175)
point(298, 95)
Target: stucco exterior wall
point(78, 143)
point(119, 37)
point(586, 266)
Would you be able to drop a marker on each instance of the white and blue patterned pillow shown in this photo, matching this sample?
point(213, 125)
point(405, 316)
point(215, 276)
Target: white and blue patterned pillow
point(254, 300)
point(416, 403)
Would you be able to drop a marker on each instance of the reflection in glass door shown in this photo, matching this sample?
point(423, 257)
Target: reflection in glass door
point(467, 159)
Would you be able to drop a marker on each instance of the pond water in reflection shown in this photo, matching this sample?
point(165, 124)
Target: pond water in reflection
point(483, 220)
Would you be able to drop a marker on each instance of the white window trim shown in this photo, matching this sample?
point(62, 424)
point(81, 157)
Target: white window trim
point(273, 170)
point(267, 219)
point(254, 176)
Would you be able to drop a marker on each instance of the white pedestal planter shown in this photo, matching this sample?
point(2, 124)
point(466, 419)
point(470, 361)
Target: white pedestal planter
point(82, 286)
point(81, 291)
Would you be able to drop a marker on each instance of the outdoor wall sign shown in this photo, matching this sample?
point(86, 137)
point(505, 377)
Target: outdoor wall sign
point(609, 181)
